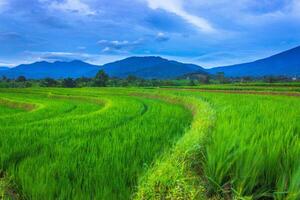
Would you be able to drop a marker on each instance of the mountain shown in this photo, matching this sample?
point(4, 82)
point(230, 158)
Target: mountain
point(4, 68)
point(286, 63)
point(57, 69)
point(144, 67)
point(150, 67)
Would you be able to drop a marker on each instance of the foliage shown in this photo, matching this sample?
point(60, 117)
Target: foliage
point(114, 143)
point(254, 148)
point(174, 175)
point(68, 83)
point(92, 146)
point(21, 79)
point(101, 79)
point(251, 153)
point(48, 82)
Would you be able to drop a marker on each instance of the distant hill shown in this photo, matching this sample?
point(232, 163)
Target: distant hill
point(286, 63)
point(144, 67)
point(150, 67)
point(57, 69)
point(4, 68)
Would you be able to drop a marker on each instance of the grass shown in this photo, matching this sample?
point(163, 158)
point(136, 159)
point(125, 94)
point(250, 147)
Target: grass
point(260, 87)
point(75, 148)
point(175, 175)
point(252, 152)
point(254, 148)
point(149, 144)
point(4, 110)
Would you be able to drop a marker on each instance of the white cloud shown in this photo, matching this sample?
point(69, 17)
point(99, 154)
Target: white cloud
point(161, 37)
point(176, 7)
point(241, 14)
point(5, 64)
point(290, 12)
point(76, 6)
point(3, 4)
point(106, 49)
point(296, 8)
point(119, 46)
point(57, 56)
point(97, 59)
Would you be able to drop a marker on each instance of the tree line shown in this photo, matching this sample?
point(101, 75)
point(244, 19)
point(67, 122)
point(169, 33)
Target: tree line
point(103, 80)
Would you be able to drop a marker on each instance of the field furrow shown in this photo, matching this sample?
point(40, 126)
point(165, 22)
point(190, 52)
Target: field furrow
point(133, 143)
point(87, 146)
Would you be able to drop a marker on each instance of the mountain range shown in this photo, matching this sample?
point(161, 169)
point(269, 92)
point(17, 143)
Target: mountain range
point(55, 70)
point(4, 68)
point(146, 67)
point(150, 67)
point(286, 63)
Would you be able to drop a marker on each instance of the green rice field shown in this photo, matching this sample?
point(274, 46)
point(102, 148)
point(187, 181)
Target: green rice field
point(134, 143)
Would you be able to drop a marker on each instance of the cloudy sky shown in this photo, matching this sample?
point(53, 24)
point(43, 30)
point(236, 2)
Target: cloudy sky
point(206, 32)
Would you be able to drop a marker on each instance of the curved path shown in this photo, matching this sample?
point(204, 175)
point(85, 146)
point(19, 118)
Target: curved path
point(296, 94)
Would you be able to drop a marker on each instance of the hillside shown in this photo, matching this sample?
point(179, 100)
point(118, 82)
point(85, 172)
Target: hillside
point(4, 68)
point(150, 67)
point(57, 69)
point(144, 67)
point(286, 63)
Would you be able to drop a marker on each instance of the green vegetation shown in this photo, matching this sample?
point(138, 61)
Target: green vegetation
point(251, 152)
point(255, 86)
point(204, 81)
point(91, 146)
point(110, 143)
point(254, 149)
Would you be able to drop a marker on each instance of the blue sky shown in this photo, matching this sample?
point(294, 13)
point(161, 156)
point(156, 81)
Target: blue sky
point(206, 32)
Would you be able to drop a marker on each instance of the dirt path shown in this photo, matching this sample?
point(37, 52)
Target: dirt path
point(295, 94)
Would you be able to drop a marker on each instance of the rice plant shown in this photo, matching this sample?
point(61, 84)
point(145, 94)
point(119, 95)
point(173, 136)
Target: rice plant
point(116, 143)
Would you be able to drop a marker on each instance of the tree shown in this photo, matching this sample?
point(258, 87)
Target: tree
point(221, 77)
point(21, 79)
point(4, 78)
point(205, 79)
point(247, 79)
point(115, 82)
point(83, 82)
point(269, 79)
point(132, 78)
point(48, 82)
point(68, 83)
point(101, 79)
point(192, 83)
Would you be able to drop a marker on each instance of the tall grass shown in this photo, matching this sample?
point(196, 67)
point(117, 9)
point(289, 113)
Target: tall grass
point(174, 175)
point(156, 144)
point(254, 150)
point(76, 146)
point(260, 87)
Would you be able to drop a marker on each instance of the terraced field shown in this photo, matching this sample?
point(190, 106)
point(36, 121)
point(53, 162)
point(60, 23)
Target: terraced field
point(148, 144)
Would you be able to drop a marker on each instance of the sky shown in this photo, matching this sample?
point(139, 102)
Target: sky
point(206, 32)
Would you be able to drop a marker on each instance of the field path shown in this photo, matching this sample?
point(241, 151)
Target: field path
point(295, 94)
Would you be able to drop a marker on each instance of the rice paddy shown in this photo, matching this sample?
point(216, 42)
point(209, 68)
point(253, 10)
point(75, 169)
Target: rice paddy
point(94, 143)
